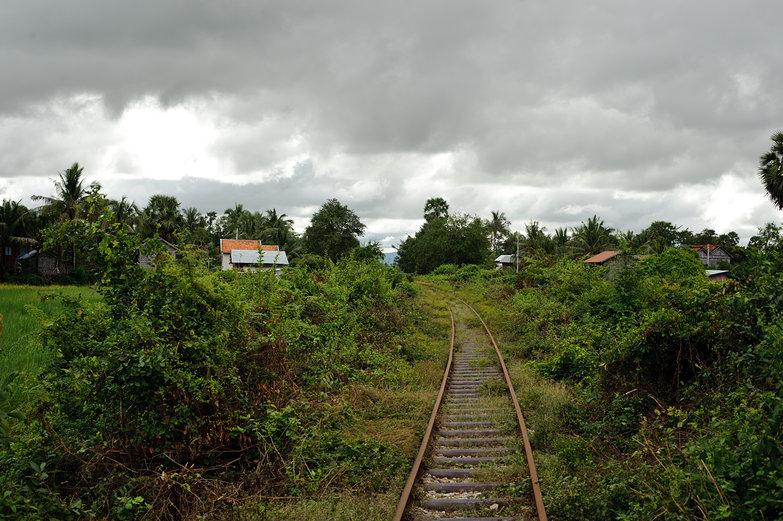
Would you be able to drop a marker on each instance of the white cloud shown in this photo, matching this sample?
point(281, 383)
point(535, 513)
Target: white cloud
point(550, 111)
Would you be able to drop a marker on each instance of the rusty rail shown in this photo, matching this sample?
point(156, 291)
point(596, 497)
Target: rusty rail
point(425, 442)
point(531, 464)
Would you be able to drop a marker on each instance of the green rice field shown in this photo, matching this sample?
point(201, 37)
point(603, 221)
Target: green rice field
point(23, 311)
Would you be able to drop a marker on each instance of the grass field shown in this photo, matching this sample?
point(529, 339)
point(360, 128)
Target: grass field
point(23, 310)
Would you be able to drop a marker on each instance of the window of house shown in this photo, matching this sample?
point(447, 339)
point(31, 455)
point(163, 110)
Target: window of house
point(7, 251)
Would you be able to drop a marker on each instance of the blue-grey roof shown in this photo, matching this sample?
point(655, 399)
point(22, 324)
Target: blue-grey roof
point(505, 259)
point(712, 273)
point(28, 255)
point(254, 257)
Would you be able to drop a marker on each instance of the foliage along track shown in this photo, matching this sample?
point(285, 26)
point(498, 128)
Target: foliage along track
point(471, 466)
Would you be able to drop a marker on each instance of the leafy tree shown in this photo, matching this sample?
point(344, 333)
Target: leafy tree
point(593, 236)
point(767, 238)
point(70, 192)
point(456, 240)
point(334, 230)
point(706, 236)
point(15, 225)
point(657, 237)
point(771, 170)
point(436, 208)
point(81, 234)
point(162, 217)
point(498, 226)
point(367, 252)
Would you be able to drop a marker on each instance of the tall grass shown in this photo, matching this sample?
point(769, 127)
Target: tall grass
point(22, 312)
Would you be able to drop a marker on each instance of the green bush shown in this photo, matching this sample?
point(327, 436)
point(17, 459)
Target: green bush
point(679, 401)
point(183, 378)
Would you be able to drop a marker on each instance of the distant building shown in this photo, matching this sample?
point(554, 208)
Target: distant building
point(711, 255)
point(603, 258)
point(506, 262)
point(717, 275)
point(250, 255)
point(12, 253)
point(145, 259)
point(36, 262)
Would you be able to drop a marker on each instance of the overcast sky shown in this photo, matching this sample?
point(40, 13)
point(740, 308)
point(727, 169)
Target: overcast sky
point(547, 110)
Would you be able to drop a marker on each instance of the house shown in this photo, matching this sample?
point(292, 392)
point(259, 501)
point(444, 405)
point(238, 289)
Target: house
point(717, 275)
point(12, 253)
point(145, 259)
point(603, 257)
point(711, 255)
point(41, 263)
point(246, 255)
point(506, 262)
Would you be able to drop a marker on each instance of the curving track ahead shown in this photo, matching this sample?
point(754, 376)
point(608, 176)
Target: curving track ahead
point(475, 462)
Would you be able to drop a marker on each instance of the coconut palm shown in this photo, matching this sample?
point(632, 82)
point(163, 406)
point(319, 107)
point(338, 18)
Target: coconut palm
point(536, 240)
point(15, 221)
point(193, 219)
point(497, 226)
point(278, 227)
point(771, 170)
point(233, 218)
point(70, 190)
point(592, 236)
point(125, 212)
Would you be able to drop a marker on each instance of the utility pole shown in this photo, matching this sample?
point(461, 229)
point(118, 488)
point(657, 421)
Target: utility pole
point(516, 257)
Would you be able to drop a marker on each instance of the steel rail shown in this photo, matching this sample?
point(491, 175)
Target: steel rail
point(425, 442)
point(531, 464)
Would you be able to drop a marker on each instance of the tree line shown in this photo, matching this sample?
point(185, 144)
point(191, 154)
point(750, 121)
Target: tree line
point(463, 239)
point(63, 225)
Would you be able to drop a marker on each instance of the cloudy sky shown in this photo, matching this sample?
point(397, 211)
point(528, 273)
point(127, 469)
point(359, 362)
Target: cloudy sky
point(546, 110)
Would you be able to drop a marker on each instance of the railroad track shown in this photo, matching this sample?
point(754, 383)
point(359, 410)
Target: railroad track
point(475, 462)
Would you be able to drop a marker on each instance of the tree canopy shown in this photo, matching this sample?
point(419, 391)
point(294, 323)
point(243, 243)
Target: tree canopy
point(459, 239)
point(334, 230)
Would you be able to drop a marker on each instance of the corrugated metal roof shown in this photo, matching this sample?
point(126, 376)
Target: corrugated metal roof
point(715, 273)
point(602, 257)
point(254, 257)
point(505, 259)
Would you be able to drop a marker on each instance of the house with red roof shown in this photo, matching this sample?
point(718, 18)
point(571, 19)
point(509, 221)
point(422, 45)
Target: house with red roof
point(250, 254)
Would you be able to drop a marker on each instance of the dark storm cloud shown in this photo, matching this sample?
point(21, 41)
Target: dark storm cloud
point(636, 96)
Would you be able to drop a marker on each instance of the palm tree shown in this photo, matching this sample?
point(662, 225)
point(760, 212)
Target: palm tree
point(278, 227)
point(592, 236)
point(498, 227)
point(233, 218)
point(15, 219)
point(162, 216)
point(771, 170)
point(125, 212)
point(70, 193)
point(536, 239)
point(193, 219)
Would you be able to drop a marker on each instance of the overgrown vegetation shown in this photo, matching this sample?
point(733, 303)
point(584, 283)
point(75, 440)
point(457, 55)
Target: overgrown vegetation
point(186, 392)
point(652, 392)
